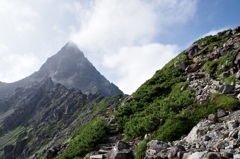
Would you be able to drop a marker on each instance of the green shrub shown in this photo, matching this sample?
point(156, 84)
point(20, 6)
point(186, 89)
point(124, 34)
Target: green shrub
point(141, 148)
point(85, 139)
point(209, 39)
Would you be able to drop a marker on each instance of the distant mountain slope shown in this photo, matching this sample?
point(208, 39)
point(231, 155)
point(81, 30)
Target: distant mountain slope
point(44, 114)
point(70, 68)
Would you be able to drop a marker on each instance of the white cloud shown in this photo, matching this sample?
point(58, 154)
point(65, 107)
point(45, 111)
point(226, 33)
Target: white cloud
point(211, 32)
point(18, 15)
point(134, 65)
point(20, 66)
point(214, 31)
point(122, 35)
point(112, 24)
point(25, 27)
point(3, 48)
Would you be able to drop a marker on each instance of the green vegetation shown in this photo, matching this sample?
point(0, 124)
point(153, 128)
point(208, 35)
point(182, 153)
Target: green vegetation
point(158, 98)
point(166, 96)
point(85, 139)
point(213, 39)
point(215, 67)
point(181, 123)
point(209, 39)
point(185, 120)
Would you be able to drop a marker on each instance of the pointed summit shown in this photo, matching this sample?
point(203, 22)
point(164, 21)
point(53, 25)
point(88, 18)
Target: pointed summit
point(71, 68)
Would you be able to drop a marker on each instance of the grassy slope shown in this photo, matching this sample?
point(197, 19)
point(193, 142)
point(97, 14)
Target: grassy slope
point(161, 98)
point(165, 96)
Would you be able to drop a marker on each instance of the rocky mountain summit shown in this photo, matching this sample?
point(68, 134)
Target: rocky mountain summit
point(72, 69)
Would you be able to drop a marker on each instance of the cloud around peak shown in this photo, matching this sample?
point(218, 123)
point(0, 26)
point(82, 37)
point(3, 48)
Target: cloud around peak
point(120, 36)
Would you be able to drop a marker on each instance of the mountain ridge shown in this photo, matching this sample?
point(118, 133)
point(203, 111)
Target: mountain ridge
point(70, 67)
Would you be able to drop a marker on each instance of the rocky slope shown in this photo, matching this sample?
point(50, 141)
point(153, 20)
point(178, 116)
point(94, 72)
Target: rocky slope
point(207, 77)
point(44, 114)
point(70, 68)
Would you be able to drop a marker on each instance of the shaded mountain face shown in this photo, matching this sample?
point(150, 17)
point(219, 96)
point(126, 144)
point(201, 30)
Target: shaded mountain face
point(43, 114)
point(70, 68)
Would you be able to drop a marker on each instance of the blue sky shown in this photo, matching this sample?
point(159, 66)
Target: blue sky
point(127, 41)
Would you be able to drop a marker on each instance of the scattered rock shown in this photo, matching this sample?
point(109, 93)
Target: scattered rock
point(212, 117)
point(175, 152)
point(221, 113)
point(180, 65)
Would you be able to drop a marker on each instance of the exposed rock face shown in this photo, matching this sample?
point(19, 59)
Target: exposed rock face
point(11, 152)
point(70, 68)
point(45, 114)
point(206, 140)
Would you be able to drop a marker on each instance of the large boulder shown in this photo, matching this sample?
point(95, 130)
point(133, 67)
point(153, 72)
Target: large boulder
point(226, 88)
point(156, 148)
point(236, 30)
point(196, 132)
point(120, 151)
point(176, 152)
point(192, 50)
point(157, 145)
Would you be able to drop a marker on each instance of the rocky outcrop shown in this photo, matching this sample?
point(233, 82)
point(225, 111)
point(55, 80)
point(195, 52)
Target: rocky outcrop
point(11, 151)
point(215, 137)
point(120, 151)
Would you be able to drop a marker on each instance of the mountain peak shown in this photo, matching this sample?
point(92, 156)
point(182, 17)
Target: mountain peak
point(71, 45)
point(72, 69)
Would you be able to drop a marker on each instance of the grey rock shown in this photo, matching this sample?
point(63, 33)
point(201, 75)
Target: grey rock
point(157, 145)
point(226, 88)
point(238, 75)
point(180, 65)
point(212, 117)
point(236, 30)
point(192, 50)
point(195, 155)
point(174, 151)
point(237, 60)
point(120, 151)
point(221, 113)
point(96, 157)
point(212, 155)
point(163, 154)
point(236, 156)
point(207, 138)
point(232, 124)
point(228, 32)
